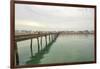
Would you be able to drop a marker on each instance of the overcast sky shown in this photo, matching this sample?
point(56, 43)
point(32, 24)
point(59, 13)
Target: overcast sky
point(53, 18)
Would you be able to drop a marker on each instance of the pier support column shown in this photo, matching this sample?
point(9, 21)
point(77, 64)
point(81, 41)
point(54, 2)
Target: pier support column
point(31, 48)
point(54, 36)
point(49, 37)
point(41, 42)
point(16, 54)
point(46, 39)
point(38, 44)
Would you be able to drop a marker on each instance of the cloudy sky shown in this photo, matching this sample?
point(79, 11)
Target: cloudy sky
point(53, 18)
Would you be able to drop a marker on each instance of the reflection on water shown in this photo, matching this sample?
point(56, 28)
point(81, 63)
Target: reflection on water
point(39, 55)
point(65, 48)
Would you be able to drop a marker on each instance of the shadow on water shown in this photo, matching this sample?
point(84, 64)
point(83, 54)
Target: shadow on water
point(39, 55)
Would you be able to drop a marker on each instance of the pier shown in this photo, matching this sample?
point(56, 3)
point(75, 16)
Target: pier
point(49, 37)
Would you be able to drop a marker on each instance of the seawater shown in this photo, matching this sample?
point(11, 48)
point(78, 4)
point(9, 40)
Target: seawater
point(65, 49)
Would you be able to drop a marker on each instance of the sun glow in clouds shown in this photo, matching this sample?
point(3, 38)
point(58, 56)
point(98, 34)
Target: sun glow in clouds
point(27, 25)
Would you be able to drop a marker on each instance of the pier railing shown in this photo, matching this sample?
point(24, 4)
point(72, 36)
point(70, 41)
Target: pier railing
point(22, 37)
